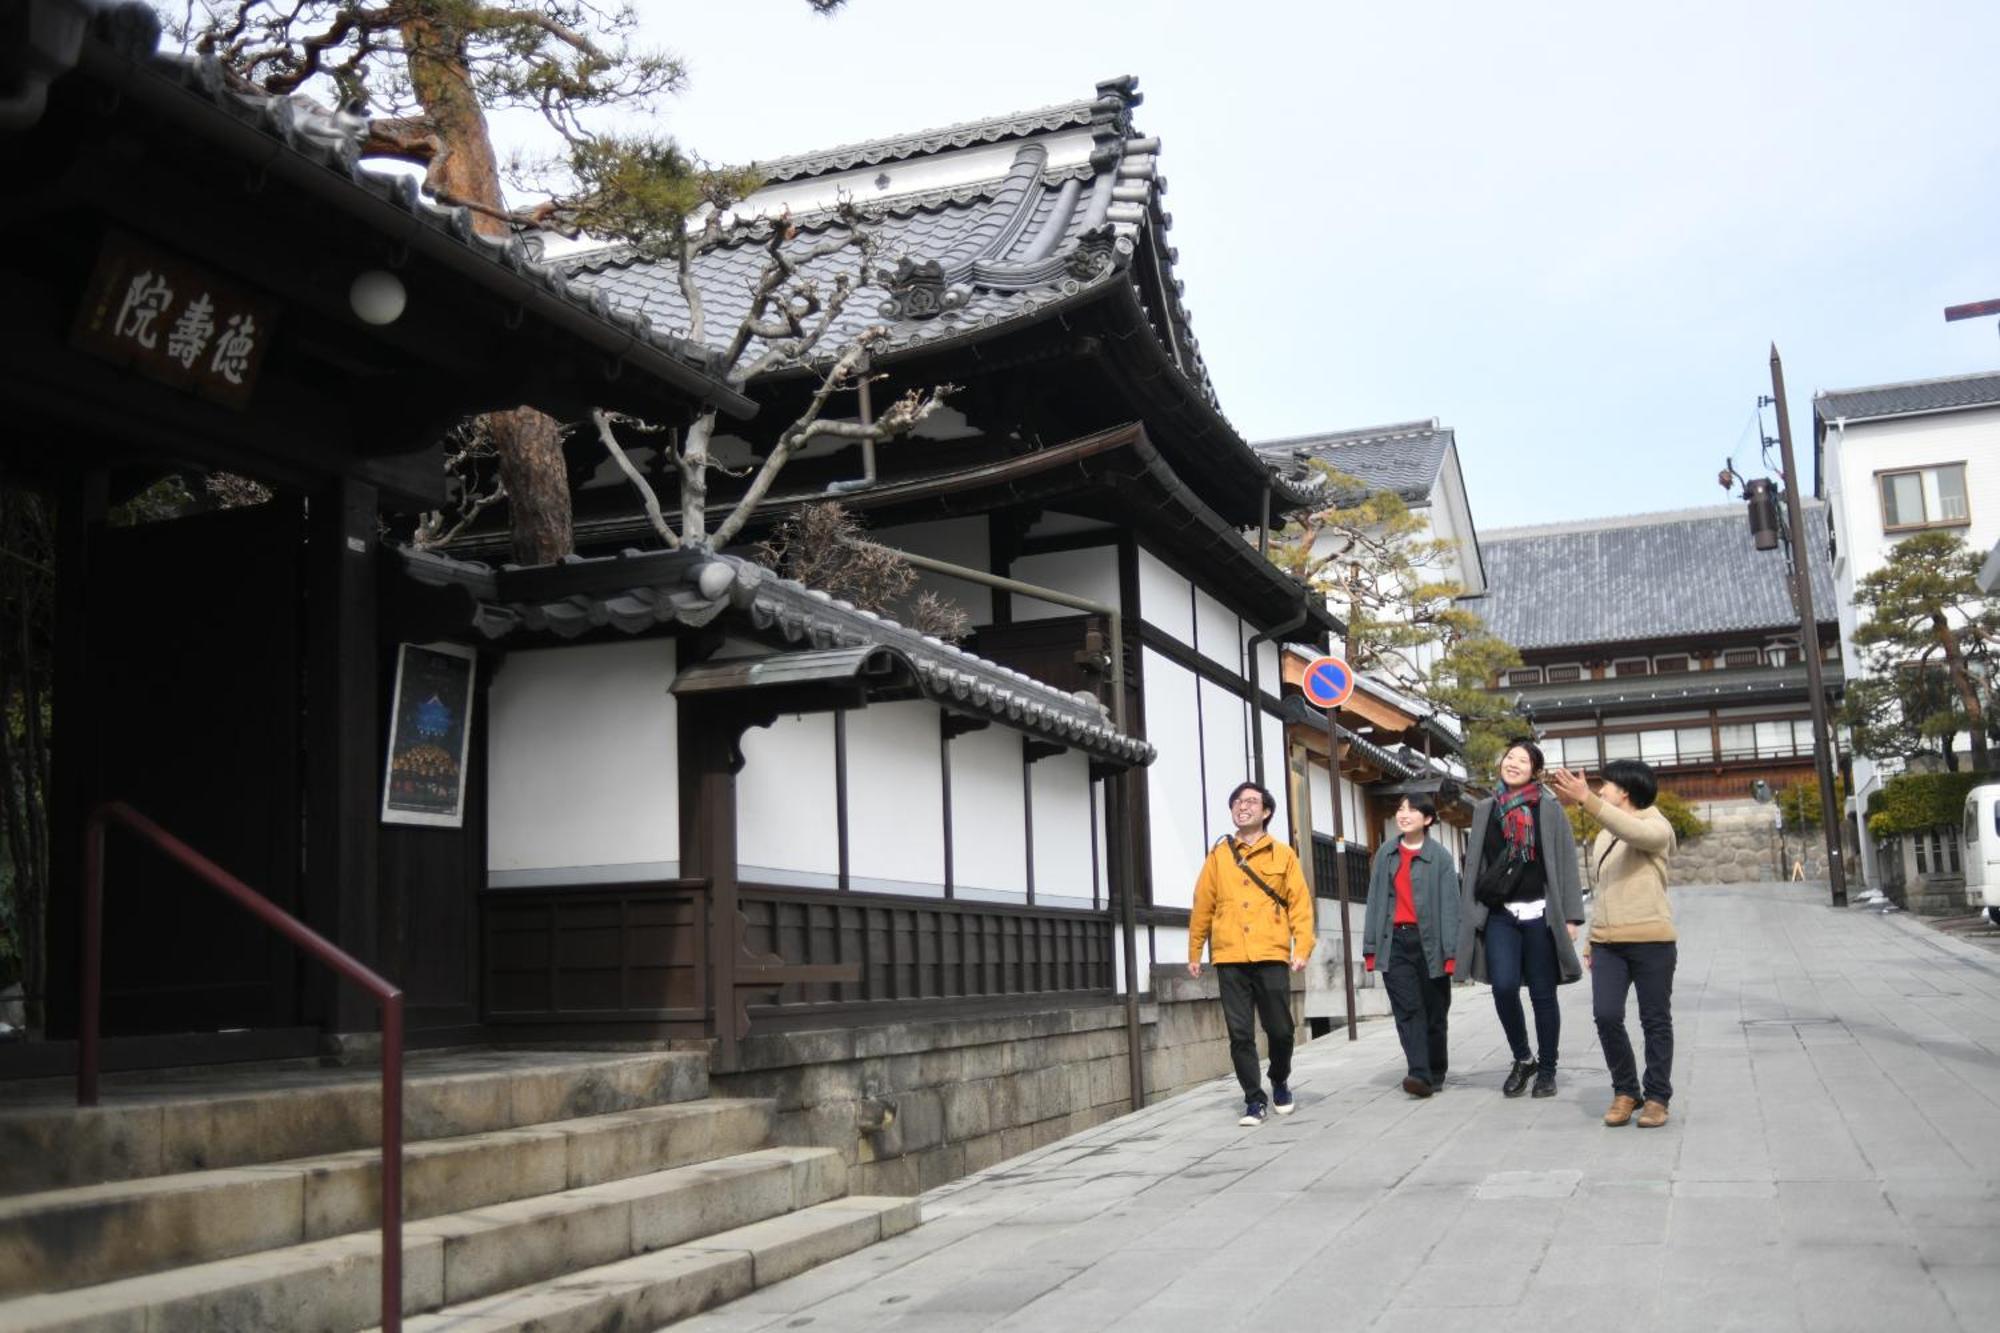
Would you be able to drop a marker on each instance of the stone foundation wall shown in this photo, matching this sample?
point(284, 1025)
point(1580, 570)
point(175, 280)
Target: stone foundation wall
point(1740, 847)
point(914, 1105)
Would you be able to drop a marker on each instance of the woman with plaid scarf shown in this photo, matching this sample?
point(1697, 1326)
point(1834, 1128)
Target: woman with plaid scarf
point(1523, 902)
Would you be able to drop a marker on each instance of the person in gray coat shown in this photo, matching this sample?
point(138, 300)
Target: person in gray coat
point(1523, 902)
point(1412, 929)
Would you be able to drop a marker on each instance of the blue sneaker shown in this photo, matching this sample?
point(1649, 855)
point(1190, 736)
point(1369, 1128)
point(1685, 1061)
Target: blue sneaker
point(1254, 1111)
point(1281, 1099)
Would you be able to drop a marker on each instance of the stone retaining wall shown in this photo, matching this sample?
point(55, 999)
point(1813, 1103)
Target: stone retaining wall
point(914, 1105)
point(1740, 847)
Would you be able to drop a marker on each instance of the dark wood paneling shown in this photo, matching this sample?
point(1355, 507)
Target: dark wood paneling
point(192, 692)
point(612, 954)
point(923, 950)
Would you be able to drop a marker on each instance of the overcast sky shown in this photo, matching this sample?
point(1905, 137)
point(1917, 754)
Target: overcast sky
point(1568, 230)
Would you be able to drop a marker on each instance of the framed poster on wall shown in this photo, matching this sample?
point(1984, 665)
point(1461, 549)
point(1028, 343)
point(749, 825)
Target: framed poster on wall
point(430, 735)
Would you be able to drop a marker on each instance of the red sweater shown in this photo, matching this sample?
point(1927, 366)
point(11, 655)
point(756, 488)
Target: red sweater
point(1406, 905)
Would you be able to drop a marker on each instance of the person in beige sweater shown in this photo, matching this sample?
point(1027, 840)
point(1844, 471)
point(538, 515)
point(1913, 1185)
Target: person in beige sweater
point(1632, 943)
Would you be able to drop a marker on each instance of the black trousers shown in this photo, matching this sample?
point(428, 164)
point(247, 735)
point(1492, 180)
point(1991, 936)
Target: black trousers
point(1263, 989)
point(1614, 969)
point(1420, 1002)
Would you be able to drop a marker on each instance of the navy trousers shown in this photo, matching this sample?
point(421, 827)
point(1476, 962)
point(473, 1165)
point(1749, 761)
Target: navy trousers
point(1518, 951)
point(1649, 968)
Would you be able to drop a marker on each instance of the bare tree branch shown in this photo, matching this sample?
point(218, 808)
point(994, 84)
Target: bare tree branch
point(605, 436)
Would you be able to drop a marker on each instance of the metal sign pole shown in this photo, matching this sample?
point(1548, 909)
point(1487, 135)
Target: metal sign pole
point(1340, 871)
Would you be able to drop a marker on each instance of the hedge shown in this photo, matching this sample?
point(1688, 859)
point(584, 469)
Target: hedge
point(1911, 802)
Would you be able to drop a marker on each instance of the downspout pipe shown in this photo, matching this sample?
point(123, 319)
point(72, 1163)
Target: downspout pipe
point(867, 477)
point(1129, 925)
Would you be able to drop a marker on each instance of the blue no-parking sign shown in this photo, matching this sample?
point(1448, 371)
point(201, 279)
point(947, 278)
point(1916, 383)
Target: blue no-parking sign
point(1327, 682)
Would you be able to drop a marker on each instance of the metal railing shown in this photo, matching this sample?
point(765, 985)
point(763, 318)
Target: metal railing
point(389, 997)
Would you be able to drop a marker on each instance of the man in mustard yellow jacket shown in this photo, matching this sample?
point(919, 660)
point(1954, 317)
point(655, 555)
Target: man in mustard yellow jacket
point(1254, 913)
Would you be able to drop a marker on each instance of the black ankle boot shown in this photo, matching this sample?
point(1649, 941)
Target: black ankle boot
point(1517, 1078)
point(1545, 1084)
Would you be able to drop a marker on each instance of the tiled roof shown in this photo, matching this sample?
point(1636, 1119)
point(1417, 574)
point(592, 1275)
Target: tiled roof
point(327, 145)
point(1945, 394)
point(1647, 576)
point(1405, 458)
point(898, 148)
point(638, 591)
point(983, 226)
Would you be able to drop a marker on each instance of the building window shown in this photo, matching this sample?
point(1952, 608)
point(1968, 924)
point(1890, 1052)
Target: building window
point(1525, 676)
point(1671, 665)
point(1695, 745)
point(1657, 747)
point(1631, 666)
point(1562, 675)
point(1740, 657)
point(1924, 498)
point(1621, 745)
point(1739, 741)
point(1923, 861)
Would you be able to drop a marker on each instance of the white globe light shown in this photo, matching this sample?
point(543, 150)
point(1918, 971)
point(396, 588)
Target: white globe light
point(378, 297)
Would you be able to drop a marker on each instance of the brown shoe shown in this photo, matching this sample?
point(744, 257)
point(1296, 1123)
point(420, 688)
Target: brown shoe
point(1621, 1110)
point(1653, 1115)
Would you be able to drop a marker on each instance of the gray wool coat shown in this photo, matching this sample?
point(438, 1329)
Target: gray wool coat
point(1555, 842)
point(1435, 891)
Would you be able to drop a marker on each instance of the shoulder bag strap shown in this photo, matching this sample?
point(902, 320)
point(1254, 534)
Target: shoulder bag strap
point(1244, 866)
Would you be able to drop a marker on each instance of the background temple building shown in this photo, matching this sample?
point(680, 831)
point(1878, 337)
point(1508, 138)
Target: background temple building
point(1668, 638)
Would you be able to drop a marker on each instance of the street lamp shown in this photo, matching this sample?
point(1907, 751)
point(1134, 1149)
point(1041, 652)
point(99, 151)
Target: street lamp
point(1770, 528)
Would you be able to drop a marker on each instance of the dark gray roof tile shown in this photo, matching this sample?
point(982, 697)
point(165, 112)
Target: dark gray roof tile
point(1648, 576)
point(1946, 394)
point(1404, 458)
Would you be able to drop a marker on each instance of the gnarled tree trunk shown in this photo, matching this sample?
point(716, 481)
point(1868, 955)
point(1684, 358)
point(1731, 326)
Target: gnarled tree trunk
point(531, 467)
point(462, 169)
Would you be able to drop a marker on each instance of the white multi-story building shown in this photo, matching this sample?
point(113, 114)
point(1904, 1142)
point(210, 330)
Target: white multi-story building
point(1895, 459)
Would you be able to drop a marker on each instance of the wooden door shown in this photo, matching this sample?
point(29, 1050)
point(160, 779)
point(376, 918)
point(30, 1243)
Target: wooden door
point(192, 708)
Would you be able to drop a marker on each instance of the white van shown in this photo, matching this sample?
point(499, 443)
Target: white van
point(1982, 847)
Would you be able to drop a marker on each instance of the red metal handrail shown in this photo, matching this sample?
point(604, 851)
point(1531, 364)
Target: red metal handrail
point(389, 996)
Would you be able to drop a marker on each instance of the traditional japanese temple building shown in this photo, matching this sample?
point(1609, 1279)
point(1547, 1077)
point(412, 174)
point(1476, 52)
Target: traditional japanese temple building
point(1664, 637)
point(1082, 452)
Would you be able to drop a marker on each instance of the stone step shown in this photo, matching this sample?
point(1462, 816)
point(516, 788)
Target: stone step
point(60, 1239)
point(653, 1290)
point(155, 1127)
point(333, 1286)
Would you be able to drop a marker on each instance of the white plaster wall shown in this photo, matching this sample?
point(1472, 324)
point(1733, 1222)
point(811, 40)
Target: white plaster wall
point(962, 541)
point(989, 836)
point(1170, 945)
point(1145, 974)
point(1100, 805)
point(1321, 797)
point(1163, 598)
point(787, 830)
point(1091, 571)
point(1226, 758)
point(582, 776)
point(1853, 457)
point(1274, 775)
point(895, 799)
point(1063, 797)
point(1175, 806)
point(1218, 633)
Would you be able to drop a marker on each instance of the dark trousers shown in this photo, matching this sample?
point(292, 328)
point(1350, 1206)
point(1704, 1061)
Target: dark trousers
point(1264, 989)
point(1420, 1003)
point(1615, 968)
point(1518, 951)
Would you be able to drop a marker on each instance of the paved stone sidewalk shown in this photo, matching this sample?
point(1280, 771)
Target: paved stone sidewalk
point(1833, 1163)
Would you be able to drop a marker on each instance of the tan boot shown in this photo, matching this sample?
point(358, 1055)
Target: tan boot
point(1653, 1115)
point(1621, 1110)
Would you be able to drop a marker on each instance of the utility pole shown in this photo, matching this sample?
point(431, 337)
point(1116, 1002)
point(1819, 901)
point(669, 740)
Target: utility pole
point(1802, 593)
